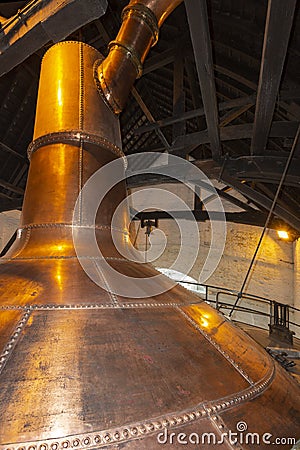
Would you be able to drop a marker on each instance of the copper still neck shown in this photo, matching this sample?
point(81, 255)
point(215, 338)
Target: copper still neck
point(75, 134)
point(76, 131)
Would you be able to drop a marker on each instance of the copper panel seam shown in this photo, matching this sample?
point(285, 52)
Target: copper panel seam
point(9, 348)
point(102, 88)
point(149, 426)
point(81, 87)
point(62, 43)
point(90, 306)
point(27, 237)
point(71, 137)
point(112, 296)
point(70, 225)
point(223, 431)
point(96, 258)
point(80, 178)
point(81, 127)
point(217, 346)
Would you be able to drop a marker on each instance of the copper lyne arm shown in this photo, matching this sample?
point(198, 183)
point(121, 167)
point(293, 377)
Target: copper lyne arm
point(141, 20)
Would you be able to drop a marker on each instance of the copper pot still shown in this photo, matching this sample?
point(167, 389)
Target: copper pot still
point(82, 367)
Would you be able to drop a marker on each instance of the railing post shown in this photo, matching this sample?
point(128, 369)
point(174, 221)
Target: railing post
point(279, 324)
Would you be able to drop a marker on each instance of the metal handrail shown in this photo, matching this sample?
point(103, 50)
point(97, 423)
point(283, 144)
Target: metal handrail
point(231, 292)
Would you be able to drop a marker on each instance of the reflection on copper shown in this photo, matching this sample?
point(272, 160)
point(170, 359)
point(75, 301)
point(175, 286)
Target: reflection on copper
point(81, 367)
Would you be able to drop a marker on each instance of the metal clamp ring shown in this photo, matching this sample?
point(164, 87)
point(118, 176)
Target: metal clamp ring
point(75, 137)
point(131, 53)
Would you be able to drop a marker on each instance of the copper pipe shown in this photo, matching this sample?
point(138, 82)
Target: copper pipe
point(141, 21)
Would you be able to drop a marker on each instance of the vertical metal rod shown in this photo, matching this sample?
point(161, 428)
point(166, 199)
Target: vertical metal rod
point(267, 220)
point(217, 301)
point(146, 247)
point(271, 311)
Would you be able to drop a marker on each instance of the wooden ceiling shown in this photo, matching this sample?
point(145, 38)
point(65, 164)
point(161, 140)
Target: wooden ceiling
point(221, 88)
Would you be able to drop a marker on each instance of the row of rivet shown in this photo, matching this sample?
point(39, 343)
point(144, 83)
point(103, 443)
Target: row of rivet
point(219, 348)
point(243, 396)
point(58, 44)
point(136, 431)
point(81, 87)
point(75, 136)
point(103, 89)
point(81, 123)
point(92, 258)
point(113, 436)
point(111, 294)
point(88, 306)
point(8, 349)
point(70, 225)
point(224, 431)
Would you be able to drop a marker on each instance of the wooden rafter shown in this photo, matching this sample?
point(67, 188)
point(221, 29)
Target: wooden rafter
point(279, 21)
point(200, 36)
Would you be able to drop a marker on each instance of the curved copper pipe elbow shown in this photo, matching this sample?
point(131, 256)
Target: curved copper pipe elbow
point(141, 20)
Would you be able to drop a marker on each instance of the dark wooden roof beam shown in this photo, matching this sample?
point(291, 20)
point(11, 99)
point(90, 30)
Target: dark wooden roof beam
point(269, 193)
point(233, 132)
point(199, 29)
point(234, 201)
point(262, 200)
point(7, 149)
point(234, 114)
point(279, 21)
point(260, 169)
point(38, 23)
point(11, 187)
point(158, 61)
point(149, 116)
point(223, 106)
point(178, 93)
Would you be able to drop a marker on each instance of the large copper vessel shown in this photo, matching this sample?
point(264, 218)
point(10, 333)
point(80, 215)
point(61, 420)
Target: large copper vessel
point(84, 368)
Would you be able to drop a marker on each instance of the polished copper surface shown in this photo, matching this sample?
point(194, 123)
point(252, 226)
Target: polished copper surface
point(82, 367)
point(141, 21)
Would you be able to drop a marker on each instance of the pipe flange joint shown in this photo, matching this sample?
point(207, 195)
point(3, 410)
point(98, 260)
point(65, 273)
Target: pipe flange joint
point(130, 53)
point(103, 88)
point(146, 14)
